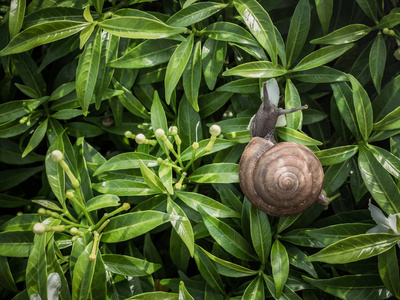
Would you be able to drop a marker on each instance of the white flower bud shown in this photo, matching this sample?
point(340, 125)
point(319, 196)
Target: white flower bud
point(39, 229)
point(140, 138)
point(57, 156)
point(215, 130)
point(160, 133)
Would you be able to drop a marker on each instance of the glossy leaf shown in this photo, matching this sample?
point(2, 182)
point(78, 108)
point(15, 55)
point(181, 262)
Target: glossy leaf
point(42, 34)
point(377, 60)
point(280, 266)
point(7, 281)
point(151, 179)
point(182, 226)
point(176, 66)
point(213, 55)
point(229, 32)
point(355, 248)
point(366, 286)
point(36, 138)
point(260, 25)
point(228, 238)
point(212, 207)
point(370, 8)
point(297, 258)
point(260, 69)
point(219, 145)
point(378, 182)
point(292, 100)
point(36, 271)
point(321, 56)
point(291, 135)
point(126, 161)
point(194, 13)
point(158, 119)
point(128, 266)
point(298, 31)
point(344, 35)
point(216, 173)
point(388, 160)
point(16, 243)
point(139, 28)
point(324, 11)
point(55, 173)
point(389, 21)
point(15, 109)
point(183, 292)
point(390, 122)
point(131, 225)
point(192, 76)
point(336, 155)
point(389, 270)
point(386, 102)
point(147, 54)
point(102, 201)
point(124, 187)
point(334, 233)
point(20, 223)
point(363, 108)
point(260, 231)
point(255, 290)
point(188, 124)
point(16, 17)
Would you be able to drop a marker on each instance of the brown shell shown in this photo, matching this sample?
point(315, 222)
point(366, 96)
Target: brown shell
point(280, 179)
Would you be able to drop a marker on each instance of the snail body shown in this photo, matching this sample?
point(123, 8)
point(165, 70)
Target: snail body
point(281, 179)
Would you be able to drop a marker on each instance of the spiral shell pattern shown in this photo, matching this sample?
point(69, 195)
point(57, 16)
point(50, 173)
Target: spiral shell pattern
point(280, 179)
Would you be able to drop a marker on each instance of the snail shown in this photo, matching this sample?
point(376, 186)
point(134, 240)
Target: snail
point(281, 179)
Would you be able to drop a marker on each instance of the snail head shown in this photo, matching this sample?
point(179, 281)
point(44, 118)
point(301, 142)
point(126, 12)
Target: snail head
point(264, 121)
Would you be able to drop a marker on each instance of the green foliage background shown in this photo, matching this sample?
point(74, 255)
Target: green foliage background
point(77, 75)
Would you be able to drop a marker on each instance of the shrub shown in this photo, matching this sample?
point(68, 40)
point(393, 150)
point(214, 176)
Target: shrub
point(122, 124)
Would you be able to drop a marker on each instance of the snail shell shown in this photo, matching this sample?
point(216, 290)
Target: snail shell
point(281, 179)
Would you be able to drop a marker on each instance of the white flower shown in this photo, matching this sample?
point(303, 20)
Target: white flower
point(273, 96)
point(384, 224)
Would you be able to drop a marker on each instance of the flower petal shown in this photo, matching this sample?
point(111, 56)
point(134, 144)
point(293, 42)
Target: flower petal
point(392, 223)
point(378, 216)
point(377, 229)
point(281, 122)
point(273, 91)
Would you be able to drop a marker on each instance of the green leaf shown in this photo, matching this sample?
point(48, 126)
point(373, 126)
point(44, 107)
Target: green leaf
point(216, 173)
point(88, 68)
point(286, 222)
point(321, 56)
point(98, 4)
point(363, 108)
point(16, 243)
point(324, 11)
point(165, 174)
point(124, 187)
point(12, 177)
point(130, 102)
point(229, 32)
point(213, 56)
point(213, 102)
point(28, 71)
point(131, 225)
point(280, 266)
point(151, 179)
point(335, 176)
point(183, 293)
point(85, 35)
point(192, 76)
point(188, 122)
point(139, 28)
point(336, 155)
point(36, 271)
point(12, 110)
point(257, 69)
point(14, 128)
point(158, 119)
point(102, 201)
point(227, 237)
point(66, 114)
point(388, 266)
point(292, 100)
point(389, 21)
point(176, 66)
point(227, 268)
point(6, 278)
point(260, 232)
point(291, 135)
point(241, 86)
point(388, 160)
point(297, 258)
point(38, 35)
point(147, 54)
point(298, 31)
point(36, 138)
point(128, 266)
point(378, 182)
point(54, 171)
point(301, 238)
point(255, 290)
point(182, 226)
point(194, 13)
point(219, 145)
point(16, 17)
point(389, 122)
point(260, 25)
point(334, 233)
point(109, 51)
point(387, 100)
point(208, 270)
point(86, 14)
point(344, 35)
point(345, 104)
point(365, 286)
point(377, 60)
point(155, 296)
point(355, 248)
point(20, 223)
point(370, 7)
point(125, 161)
point(212, 207)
